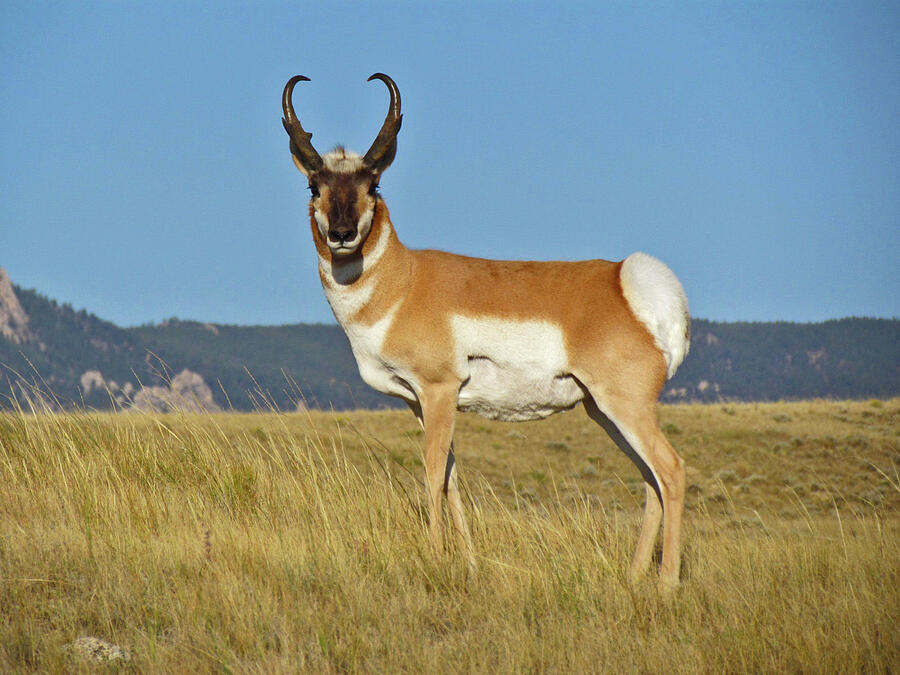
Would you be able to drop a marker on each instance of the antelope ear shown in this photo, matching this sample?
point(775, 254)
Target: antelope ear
point(298, 163)
point(380, 164)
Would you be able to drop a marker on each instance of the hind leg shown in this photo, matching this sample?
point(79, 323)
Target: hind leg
point(633, 426)
point(643, 552)
point(670, 467)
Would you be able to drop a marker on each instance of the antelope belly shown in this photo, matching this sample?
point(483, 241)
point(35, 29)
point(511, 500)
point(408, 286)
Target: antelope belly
point(515, 394)
point(513, 370)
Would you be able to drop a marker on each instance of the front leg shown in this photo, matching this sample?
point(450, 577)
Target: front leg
point(437, 413)
point(451, 490)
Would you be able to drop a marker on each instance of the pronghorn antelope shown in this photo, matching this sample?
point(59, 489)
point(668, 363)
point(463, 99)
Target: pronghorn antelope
point(508, 340)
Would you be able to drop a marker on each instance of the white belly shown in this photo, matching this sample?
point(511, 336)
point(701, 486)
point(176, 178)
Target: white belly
point(515, 394)
point(513, 370)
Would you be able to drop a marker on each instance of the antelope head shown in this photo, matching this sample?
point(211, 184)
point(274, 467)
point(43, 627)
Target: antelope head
point(343, 185)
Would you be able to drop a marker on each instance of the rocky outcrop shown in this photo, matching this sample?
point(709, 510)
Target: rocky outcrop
point(93, 380)
point(90, 380)
point(187, 392)
point(13, 319)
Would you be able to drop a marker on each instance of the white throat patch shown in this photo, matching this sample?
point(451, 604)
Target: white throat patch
point(346, 297)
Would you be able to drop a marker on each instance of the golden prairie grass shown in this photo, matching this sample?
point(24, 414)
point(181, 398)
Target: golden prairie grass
point(284, 543)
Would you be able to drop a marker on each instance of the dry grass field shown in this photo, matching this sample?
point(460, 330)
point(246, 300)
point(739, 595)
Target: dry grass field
point(267, 543)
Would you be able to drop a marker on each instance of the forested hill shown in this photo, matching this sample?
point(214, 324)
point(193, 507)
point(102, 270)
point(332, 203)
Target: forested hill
point(83, 360)
point(845, 358)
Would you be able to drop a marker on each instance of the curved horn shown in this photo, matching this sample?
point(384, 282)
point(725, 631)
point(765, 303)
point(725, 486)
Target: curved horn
point(384, 147)
point(300, 144)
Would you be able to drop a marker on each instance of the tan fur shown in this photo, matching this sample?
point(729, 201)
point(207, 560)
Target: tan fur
point(404, 327)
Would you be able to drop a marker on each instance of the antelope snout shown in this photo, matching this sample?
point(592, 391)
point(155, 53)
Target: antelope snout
point(341, 234)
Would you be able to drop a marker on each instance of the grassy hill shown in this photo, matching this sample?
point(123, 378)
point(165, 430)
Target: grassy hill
point(298, 543)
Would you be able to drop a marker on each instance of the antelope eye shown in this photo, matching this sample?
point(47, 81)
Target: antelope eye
point(314, 190)
point(373, 189)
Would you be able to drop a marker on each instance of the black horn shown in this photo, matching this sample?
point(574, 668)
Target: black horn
point(300, 143)
point(381, 154)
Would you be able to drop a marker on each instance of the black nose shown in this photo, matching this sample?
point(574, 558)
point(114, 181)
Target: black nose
point(341, 234)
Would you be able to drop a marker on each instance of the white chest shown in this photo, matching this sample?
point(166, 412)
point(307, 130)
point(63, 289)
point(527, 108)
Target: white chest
point(367, 343)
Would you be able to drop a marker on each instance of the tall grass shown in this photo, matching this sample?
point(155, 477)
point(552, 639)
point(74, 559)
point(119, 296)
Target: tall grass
point(284, 543)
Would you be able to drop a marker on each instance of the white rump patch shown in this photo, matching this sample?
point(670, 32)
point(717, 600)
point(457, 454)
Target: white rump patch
point(513, 370)
point(657, 299)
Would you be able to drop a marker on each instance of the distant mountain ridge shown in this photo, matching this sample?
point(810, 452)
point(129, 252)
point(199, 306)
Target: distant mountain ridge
point(73, 358)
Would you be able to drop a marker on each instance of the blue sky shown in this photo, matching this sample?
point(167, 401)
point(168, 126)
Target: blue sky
point(754, 147)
